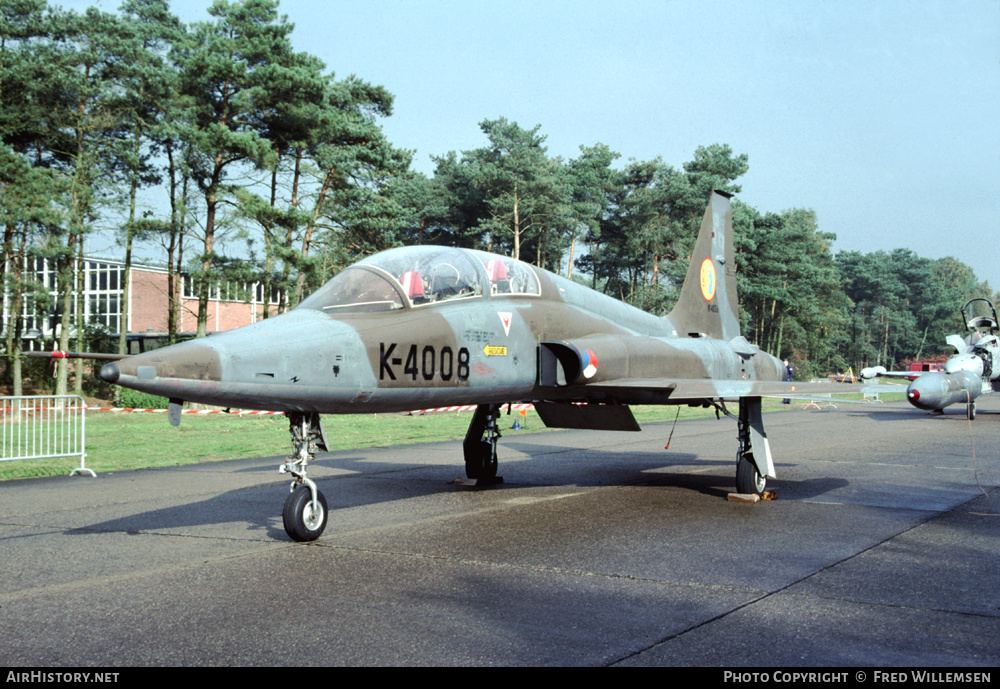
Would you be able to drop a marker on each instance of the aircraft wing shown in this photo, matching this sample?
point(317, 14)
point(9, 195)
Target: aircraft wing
point(900, 374)
point(684, 389)
point(880, 372)
point(75, 355)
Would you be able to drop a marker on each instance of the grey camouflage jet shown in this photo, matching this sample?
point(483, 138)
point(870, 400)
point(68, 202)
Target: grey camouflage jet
point(973, 371)
point(426, 326)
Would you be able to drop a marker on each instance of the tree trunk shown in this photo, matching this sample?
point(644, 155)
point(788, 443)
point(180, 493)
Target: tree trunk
point(307, 238)
point(211, 205)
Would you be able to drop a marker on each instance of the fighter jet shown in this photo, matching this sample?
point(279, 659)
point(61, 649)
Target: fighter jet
point(973, 371)
point(427, 326)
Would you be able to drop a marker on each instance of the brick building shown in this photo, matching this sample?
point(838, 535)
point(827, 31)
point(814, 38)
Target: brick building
point(230, 306)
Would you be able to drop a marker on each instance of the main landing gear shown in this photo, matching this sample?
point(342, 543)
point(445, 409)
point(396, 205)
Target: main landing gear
point(305, 511)
point(480, 445)
point(753, 459)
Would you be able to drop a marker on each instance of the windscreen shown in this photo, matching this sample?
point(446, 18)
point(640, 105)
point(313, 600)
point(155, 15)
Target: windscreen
point(356, 290)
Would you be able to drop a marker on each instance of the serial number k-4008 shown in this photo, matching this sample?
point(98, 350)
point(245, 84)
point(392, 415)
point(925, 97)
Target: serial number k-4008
point(425, 363)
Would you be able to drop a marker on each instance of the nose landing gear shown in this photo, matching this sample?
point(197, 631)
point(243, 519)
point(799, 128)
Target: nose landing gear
point(305, 512)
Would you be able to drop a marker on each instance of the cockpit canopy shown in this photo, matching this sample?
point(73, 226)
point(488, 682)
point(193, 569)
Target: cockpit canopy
point(418, 275)
point(980, 316)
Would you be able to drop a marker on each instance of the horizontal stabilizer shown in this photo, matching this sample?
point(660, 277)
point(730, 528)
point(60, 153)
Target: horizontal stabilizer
point(595, 417)
point(742, 347)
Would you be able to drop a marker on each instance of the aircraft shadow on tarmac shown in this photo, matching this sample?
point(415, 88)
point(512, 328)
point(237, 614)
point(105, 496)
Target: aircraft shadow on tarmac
point(548, 465)
point(954, 413)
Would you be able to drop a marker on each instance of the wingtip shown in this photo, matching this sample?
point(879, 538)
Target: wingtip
point(109, 373)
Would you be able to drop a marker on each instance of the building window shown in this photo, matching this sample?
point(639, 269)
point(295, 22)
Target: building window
point(246, 293)
point(103, 285)
point(102, 303)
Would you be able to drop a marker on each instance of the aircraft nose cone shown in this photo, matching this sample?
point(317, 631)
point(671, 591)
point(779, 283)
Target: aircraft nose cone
point(109, 373)
point(194, 360)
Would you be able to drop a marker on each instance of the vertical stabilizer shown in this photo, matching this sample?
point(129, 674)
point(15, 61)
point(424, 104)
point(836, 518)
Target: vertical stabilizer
point(708, 304)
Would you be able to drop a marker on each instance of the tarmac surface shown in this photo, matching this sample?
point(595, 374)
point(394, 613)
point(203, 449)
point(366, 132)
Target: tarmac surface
point(599, 549)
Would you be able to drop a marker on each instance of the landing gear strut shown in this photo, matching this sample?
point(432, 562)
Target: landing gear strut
point(753, 466)
point(305, 511)
point(480, 445)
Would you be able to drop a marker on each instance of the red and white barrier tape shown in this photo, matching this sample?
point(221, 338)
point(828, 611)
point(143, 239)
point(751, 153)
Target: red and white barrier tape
point(188, 411)
point(251, 412)
point(470, 407)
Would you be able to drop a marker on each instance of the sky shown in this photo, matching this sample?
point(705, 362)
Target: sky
point(882, 117)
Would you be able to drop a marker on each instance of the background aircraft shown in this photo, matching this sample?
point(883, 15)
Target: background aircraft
point(974, 370)
point(428, 326)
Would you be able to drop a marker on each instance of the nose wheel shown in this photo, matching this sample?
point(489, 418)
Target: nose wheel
point(305, 512)
point(304, 517)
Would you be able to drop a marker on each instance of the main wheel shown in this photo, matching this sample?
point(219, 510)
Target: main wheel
point(970, 411)
point(482, 465)
point(748, 479)
point(304, 521)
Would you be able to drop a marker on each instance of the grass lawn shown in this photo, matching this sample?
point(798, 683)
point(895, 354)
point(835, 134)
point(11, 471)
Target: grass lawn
point(118, 441)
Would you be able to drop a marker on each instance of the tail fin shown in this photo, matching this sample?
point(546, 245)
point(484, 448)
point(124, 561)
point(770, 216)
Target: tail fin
point(708, 304)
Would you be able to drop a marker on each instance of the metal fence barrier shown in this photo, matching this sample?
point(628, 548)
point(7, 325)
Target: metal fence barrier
point(44, 426)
